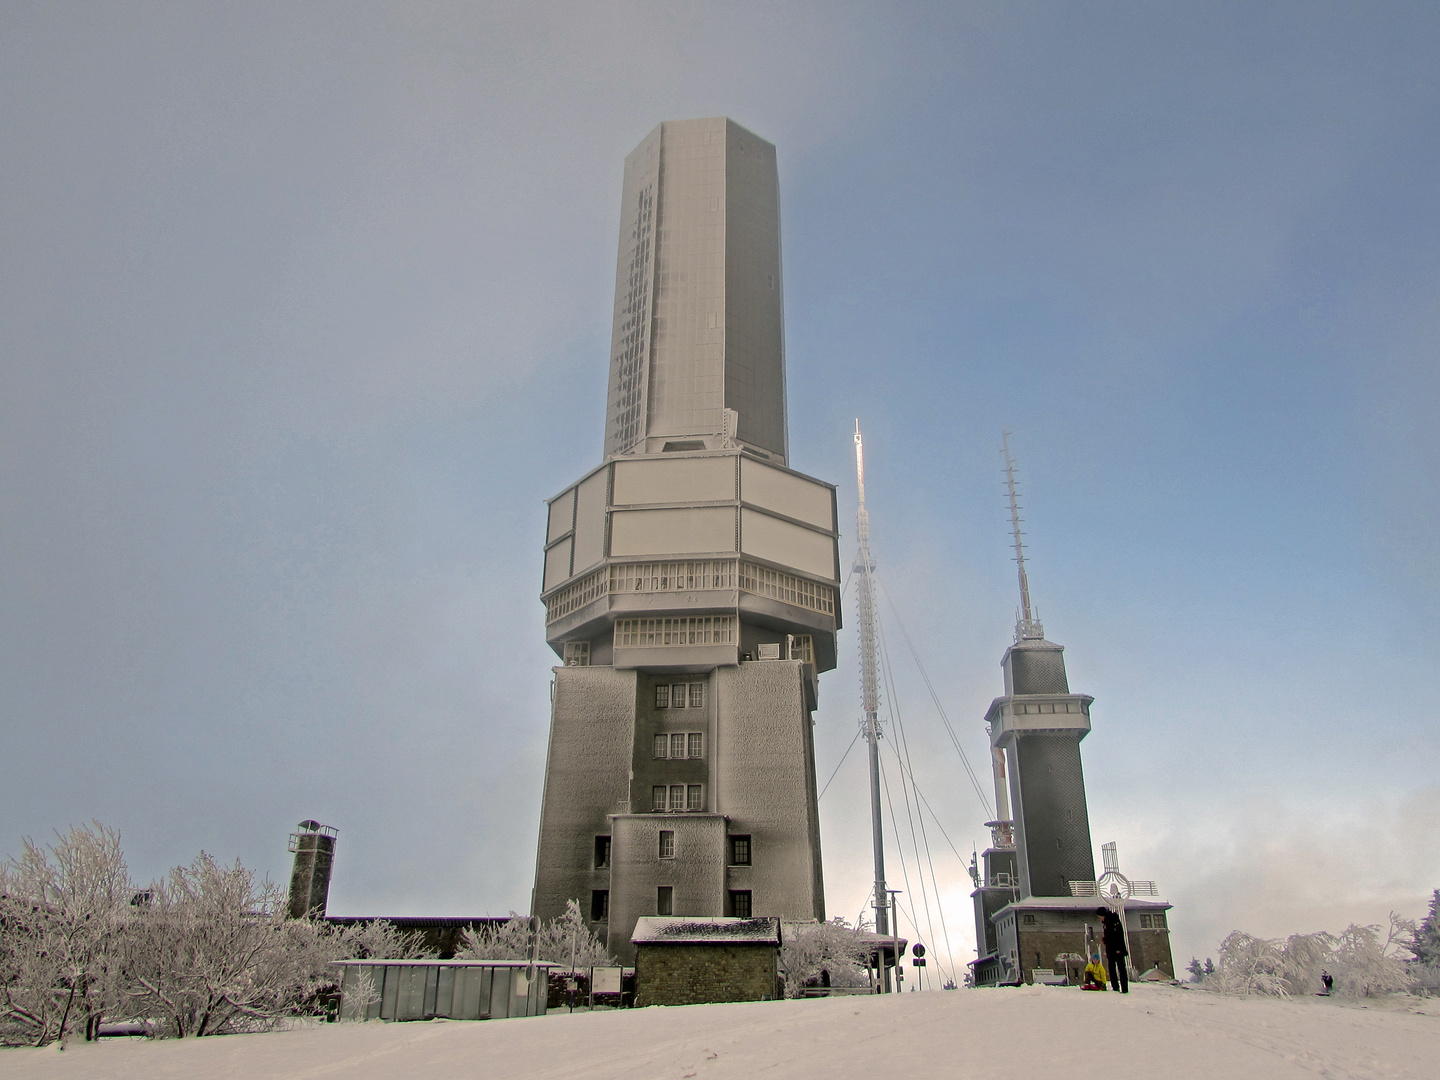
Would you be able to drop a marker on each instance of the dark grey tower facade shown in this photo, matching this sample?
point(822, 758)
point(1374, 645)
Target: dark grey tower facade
point(691, 579)
point(1038, 726)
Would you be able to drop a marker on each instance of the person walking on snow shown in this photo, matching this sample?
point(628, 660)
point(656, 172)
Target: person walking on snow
point(1115, 952)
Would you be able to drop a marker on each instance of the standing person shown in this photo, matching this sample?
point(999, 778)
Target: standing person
point(1115, 951)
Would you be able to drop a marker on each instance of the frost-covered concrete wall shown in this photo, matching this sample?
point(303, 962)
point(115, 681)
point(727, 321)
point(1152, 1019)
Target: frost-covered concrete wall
point(587, 778)
point(764, 780)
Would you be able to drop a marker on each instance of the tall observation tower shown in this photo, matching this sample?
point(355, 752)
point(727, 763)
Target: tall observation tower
point(1036, 894)
point(690, 580)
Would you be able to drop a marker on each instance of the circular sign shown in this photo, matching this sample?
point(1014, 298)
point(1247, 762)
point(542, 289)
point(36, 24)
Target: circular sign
point(918, 950)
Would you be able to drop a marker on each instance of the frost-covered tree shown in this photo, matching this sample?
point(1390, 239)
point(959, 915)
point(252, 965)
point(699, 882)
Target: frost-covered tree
point(509, 940)
point(63, 909)
point(1368, 959)
point(1424, 943)
point(1364, 960)
point(1196, 969)
point(569, 936)
point(555, 940)
point(810, 950)
point(1249, 965)
point(214, 953)
point(381, 940)
point(1305, 957)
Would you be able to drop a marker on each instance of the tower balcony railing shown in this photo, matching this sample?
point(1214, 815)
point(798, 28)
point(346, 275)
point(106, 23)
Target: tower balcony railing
point(1125, 887)
point(1002, 834)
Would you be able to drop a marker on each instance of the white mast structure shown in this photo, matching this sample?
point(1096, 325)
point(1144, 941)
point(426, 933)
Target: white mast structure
point(1027, 628)
point(1027, 625)
point(870, 697)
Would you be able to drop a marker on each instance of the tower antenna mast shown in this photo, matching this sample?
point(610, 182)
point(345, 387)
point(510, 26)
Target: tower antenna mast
point(1027, 626)
point(870, 698)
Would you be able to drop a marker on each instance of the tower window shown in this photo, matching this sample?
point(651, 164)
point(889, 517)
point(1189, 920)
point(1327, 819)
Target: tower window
point(739, 851)
point(602, 852)
point(662, 696)
point(677, 696)
point(665, 900)
point(693, 797)
point(657, 798)
point(667, 845)
point(577, 654)
point(677, 797)
point(740, 903)
point(697, 695)
point(599, 905)
point(680, 744)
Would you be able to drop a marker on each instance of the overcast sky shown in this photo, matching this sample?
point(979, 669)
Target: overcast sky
point(305, 310)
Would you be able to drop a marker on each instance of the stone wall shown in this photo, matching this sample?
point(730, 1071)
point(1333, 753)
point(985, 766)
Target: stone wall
point(700, 974)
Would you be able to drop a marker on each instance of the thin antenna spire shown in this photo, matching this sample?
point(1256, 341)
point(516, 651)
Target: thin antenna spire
point(870, 695)
point(1027, 626)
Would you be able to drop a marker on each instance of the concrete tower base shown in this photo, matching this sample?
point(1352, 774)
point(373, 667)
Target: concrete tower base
point(611, 834)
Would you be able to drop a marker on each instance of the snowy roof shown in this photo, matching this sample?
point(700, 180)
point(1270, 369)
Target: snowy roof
point(657, 930)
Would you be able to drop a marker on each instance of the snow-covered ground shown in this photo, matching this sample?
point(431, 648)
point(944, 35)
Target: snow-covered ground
point(1155, 1032)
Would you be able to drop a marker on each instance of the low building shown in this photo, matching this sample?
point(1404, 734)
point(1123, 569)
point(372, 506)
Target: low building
point(1034, 935)
point(698, 961)
point(454, 989)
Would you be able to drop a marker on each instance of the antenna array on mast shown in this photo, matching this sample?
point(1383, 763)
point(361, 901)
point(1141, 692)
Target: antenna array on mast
point(1027, 623)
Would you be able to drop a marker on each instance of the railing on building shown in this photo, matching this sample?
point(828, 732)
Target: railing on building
point(700, 575)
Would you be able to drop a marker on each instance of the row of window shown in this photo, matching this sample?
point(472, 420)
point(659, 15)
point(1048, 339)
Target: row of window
point(763, 581)
point(680, 744)
point(695, 630)
point(737, 849)
point(680, 695)
point(677, 798)
point(673, 576)
point(738, 903)
point(1147, 922)
point(704, 574)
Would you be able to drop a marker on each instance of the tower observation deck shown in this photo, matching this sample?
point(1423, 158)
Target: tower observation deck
point(691, 578)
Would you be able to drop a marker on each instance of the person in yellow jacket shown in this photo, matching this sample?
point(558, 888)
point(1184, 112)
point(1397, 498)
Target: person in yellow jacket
point(1095, 977)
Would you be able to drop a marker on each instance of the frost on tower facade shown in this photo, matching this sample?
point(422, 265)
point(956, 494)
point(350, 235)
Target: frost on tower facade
point(690, 580)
